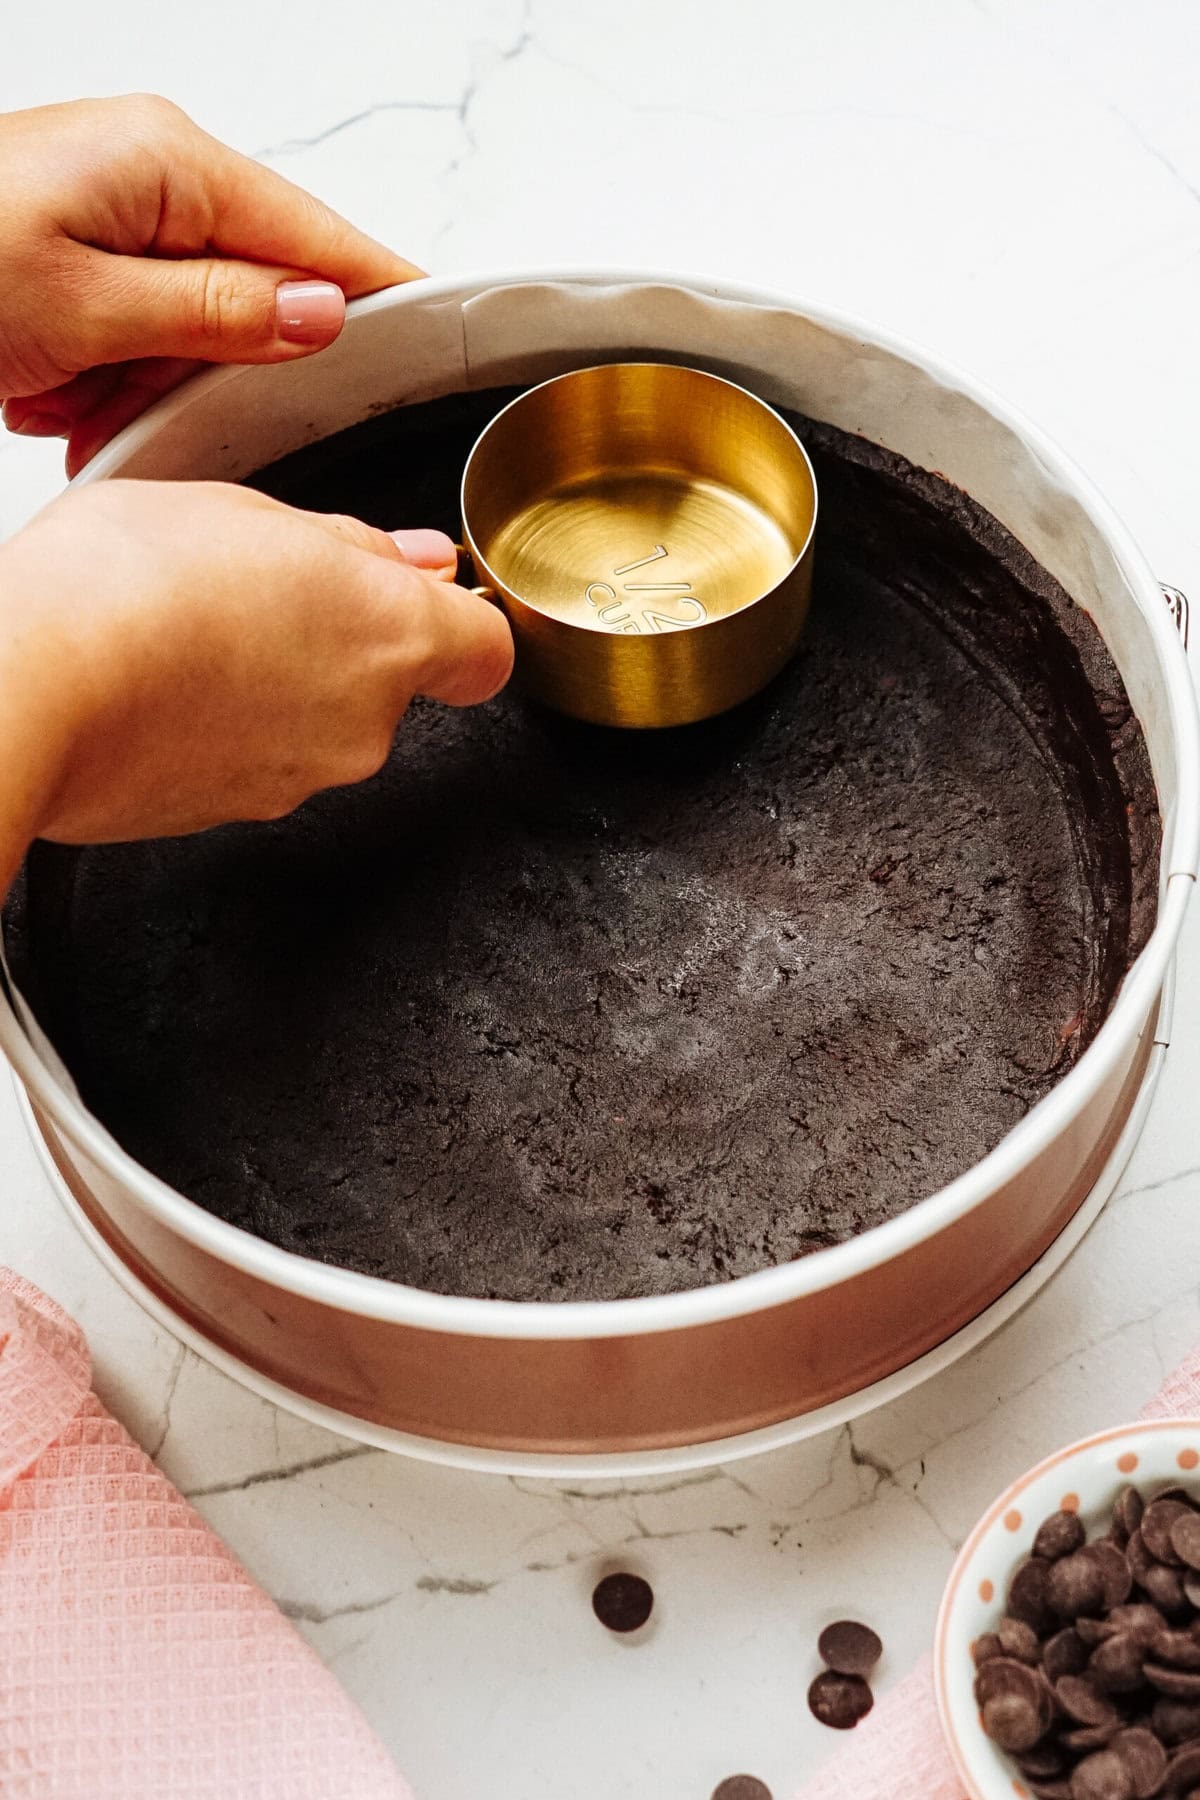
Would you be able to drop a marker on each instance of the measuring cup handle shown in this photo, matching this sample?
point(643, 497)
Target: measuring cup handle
point(464, 575)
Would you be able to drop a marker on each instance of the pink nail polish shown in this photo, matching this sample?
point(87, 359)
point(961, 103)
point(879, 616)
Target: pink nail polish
point(309, 312)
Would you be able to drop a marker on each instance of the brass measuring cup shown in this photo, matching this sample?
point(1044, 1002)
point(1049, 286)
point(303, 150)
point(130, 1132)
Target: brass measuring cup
point(647, 530)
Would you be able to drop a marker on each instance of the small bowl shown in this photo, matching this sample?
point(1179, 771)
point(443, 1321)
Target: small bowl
point(647, 530)
point(1085, 1478)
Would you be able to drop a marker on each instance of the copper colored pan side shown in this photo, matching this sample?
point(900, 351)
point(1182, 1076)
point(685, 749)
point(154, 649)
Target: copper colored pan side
point(639, 1392)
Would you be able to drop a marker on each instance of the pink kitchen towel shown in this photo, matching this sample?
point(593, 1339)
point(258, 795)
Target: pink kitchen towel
point(138, 1661)
point(898, 1752)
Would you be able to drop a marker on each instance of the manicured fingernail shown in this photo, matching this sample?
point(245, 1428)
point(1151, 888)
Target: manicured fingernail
point(309, 312)
point(39, 425)
point(426, 549)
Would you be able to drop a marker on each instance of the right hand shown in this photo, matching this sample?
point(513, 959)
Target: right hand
point(174, 655)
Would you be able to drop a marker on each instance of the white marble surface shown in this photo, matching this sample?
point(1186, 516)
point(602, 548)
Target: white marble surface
point(1015, 182)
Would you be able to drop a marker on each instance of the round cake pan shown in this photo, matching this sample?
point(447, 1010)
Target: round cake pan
point(770, 1355)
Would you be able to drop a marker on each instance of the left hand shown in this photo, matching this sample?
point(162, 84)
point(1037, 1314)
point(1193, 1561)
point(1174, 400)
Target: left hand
point(134, 246)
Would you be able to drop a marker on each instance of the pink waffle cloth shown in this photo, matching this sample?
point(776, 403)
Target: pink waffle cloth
point(898, 1752)
point(137, 1657)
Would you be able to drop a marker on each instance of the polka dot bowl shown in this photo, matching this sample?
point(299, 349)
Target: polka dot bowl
point(1084, 1478)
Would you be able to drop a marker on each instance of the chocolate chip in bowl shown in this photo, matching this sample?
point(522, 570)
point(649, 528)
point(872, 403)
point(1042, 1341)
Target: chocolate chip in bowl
point(1067, 1656)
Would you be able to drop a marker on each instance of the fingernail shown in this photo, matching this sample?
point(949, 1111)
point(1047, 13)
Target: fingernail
point(426, 549)
point(309, 312)
point(39, 425)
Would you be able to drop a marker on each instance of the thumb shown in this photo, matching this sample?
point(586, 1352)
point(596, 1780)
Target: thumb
point(215, 309)
point(458, 647)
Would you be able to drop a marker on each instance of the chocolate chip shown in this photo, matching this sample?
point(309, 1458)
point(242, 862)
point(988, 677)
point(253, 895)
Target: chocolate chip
point(1064, 1654)
point(1138, 1616)
point(1165, 1588)
point(1013, 1721)
point(1086, 1738)
point(1074, 1585)
point(1191, 1587)
point(1094, 1631)
point(854, 1649)
point(985, 1646)
point(1102, 1777)
point(1185, 1539)
point(1019, 1640)
point(1177, 1648)
point(1058, 1535)
point(741, 1787)
point(1057, 1789)
point(1175, 1721)
point(623, 1602)
point(1178, 1493)
point(1183, 1770)
point(1005, 1675)
point(1137, 1555)
point(1082, 1699)
point(1127, 1513)
point(1156, 1525)
point(1114, 1571)
point(1145, 1759)
point(840, 1701)
point(1117, 1663)
point(1044, 1761)
point(1027, 1593)
point(1180, 1684)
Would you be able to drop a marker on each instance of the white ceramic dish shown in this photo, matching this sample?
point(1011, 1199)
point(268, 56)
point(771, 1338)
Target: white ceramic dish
point(1085, 1478)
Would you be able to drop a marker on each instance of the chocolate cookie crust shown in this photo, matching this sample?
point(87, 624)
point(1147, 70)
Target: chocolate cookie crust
point(550, 1012)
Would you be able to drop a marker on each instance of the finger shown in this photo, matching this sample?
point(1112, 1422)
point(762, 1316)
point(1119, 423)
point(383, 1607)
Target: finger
point(457, 647)
point(429, 550)
point(73, 400)
point(462, 645)
point(258, 214)
point(204, 308)
point(138, 386)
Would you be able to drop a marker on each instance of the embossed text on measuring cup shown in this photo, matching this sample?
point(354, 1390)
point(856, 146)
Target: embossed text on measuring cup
point(674, 607)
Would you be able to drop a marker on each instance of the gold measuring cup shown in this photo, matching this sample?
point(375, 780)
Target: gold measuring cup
point(648, 531)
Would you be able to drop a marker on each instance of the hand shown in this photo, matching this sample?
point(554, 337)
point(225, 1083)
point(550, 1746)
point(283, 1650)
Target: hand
point(173, 655)
point(133, 245)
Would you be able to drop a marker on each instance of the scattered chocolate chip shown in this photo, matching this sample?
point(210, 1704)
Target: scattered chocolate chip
point(1064, 1654)
point(1185, 1539)
point(1083, 1700)
point(1074, 1585)
point(1114, 1571)
point(741, 1787)
point(1180, 1684)
point(1117, 1663)
point(1127, 1513)
point(1156, 1525)
point(987, 1645)
point(1102, 1777)
point(1058, 1535)
point(840, 1701)
point(854, 1649)
point(1145, 1759)
point(1019, 1640)
point(623, 1602)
